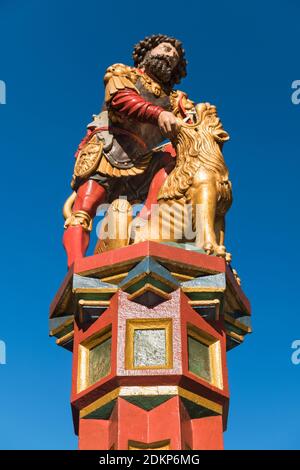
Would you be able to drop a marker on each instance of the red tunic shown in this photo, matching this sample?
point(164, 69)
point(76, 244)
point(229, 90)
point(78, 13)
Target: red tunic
point(130, 104)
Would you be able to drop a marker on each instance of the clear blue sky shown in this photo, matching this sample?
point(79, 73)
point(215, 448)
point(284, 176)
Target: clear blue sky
point(243, 57)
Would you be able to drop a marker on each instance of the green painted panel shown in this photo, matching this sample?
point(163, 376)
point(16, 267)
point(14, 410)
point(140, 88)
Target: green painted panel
point(147, 402)
point(99, 361)
point(102, 413)
point(199, 361)
point(197, 411)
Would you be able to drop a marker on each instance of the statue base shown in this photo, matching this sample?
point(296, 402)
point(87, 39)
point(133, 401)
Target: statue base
point(149, 326)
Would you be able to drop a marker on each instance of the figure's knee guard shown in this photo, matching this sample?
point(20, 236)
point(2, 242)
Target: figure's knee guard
point(89, 195)
point(81, 218)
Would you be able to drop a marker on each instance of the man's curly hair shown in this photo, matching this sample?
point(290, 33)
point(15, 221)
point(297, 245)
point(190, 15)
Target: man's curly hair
point(140, 50)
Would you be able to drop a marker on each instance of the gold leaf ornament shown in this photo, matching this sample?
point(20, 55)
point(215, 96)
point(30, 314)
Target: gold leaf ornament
point(117, 77)
point(89, 157)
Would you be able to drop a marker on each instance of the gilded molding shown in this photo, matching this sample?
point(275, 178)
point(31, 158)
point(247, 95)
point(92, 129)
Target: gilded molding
point(148, 324)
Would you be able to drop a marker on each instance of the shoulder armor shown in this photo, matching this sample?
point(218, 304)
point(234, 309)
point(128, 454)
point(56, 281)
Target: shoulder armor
point(117, 77)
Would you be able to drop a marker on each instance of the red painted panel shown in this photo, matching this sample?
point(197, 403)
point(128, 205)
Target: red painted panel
point(168, 421)
point(150, 248)
point(94, 434)
point(207, 433)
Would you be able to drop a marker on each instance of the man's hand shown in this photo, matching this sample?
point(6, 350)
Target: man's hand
point(168, 124)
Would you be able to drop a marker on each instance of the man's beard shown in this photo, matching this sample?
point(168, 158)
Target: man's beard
point(159, 66)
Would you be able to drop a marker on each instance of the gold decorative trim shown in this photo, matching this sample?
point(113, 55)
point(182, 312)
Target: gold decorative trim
point(148, 324)
point(115, 279)
point(205, 302)
point(237, 323)
point(151, 391)
point(184, 267)
point(67, 207)
point(106, 168)
point(60, 328)
point(95, 290)
point(102, 401)
point(201, 401)
point(182, 277)
point(79, 218)
point(134, 280)
point(234, 335)
point(159, 445)
point(88, 158)
point(150, 84)
point(149, 287)
point(203, 289)
point(114, 269)
point(117, 77)
point(64, 339)
point(141, 276)
point(91, 303)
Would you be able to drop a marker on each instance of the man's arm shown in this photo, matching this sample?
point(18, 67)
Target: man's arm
point(122, 96)
point(130, 104)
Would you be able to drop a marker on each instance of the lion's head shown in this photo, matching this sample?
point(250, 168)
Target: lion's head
point(196, 145)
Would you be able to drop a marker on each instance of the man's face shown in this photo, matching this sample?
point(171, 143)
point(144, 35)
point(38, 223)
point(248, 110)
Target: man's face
point(166, 49)
point(161, 61)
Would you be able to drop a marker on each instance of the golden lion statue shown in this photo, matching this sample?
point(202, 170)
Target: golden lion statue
point(195, 196)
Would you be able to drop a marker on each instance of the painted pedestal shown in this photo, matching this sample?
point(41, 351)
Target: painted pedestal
point(149, 326)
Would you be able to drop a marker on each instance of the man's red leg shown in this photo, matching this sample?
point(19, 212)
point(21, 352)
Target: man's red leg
point(78, 226)
point(156, 183)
